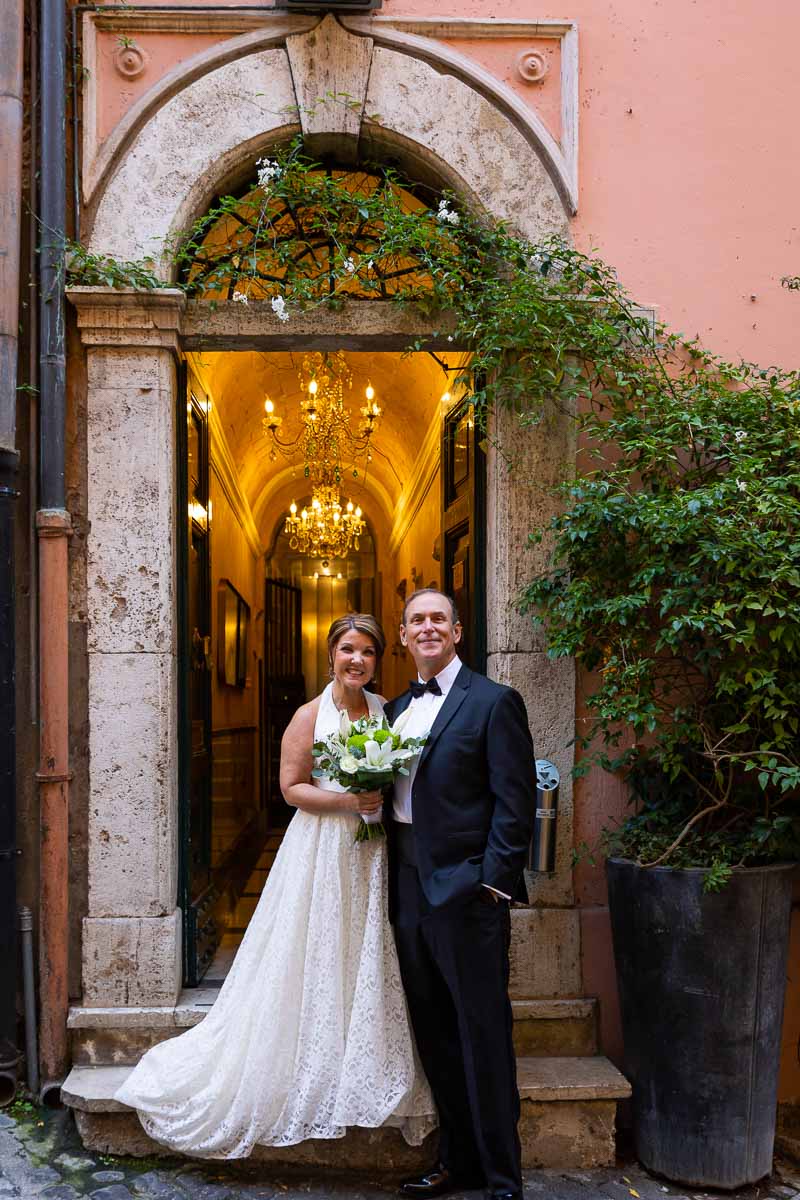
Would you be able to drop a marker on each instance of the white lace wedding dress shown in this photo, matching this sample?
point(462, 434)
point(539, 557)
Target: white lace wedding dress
point(310, 1032)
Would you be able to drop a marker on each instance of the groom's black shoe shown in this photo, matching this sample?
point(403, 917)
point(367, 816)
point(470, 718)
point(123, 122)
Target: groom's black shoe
point(436, 1182)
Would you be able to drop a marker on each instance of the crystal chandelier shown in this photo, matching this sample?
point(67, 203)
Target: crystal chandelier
point(326, 440)
point(325, 529)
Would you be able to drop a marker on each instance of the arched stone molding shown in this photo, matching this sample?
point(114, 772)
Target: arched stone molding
point(449, 123)
point(181, 156)
point(99, 162)
point(193, 146)
point(560, 161)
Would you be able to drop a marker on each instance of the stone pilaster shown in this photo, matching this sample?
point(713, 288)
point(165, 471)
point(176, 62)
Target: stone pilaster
point(523, 466)
point(131, 936)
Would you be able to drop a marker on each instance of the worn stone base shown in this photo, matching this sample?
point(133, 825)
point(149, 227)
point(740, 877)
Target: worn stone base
point(360, 1150)
point(565, 1135)
point(130, 961)
point(579, 1133)
point(545, 954)
point(568, 1120)
point(563, 1028)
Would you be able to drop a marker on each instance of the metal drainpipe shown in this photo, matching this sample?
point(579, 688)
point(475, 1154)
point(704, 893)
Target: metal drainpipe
point(53, 526)
point(11, 81)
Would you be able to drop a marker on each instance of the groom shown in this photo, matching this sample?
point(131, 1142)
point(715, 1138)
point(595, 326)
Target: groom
point(457, 844)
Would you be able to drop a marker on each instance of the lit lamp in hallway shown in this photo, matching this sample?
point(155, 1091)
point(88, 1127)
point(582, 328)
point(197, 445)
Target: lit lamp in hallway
point(327, 528)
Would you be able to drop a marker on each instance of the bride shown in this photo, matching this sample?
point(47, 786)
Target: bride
point(310, 1032)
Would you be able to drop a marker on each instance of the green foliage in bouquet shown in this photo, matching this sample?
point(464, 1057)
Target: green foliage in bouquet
point(365, 756)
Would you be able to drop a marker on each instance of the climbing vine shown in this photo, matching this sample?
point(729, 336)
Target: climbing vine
point(675, 570)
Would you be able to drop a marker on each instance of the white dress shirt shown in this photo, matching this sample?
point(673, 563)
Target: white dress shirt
point(422, 712)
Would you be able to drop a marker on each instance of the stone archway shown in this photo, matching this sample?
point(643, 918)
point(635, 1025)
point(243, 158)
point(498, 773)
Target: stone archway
point(155, 180)
point(201, 139)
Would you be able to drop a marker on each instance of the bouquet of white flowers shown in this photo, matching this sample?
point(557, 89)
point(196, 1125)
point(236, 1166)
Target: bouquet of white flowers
point(365, 756)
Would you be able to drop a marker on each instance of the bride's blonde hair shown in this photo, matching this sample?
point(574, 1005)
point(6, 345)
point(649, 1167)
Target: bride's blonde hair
point(362, 623)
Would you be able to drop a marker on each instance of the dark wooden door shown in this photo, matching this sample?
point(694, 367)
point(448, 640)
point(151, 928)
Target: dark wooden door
point(194, 600)
point(464, 529)
point(284, 686)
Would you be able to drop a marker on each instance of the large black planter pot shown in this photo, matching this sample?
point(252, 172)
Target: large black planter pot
point(702, 979)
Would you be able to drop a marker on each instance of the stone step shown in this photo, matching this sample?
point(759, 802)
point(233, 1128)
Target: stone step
point(120, 1036)
point(567, 1028)
point(568, 1120)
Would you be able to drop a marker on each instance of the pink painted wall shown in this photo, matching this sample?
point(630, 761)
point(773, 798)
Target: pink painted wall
point(689, 161)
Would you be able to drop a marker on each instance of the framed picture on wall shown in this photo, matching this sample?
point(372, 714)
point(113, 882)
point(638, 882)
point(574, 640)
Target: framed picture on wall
point(232, 635)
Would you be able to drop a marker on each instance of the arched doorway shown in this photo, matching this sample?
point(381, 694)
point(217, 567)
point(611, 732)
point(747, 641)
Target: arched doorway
point(415, 523)
point(485, 149)
point(379, 438)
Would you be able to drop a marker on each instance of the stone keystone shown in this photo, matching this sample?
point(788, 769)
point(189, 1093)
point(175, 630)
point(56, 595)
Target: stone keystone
point(330, 72)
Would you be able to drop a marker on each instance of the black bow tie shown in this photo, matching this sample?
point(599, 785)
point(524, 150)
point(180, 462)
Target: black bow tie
point(419, 689)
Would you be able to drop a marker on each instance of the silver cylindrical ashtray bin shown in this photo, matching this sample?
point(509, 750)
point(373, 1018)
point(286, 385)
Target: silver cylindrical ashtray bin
point(542, 853)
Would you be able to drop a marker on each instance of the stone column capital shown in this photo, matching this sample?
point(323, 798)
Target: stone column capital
point(129, 318)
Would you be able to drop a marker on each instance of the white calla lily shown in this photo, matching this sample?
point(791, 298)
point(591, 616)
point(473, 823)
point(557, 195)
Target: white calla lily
point(402, 755)
point(345, 726)
point(401, 721)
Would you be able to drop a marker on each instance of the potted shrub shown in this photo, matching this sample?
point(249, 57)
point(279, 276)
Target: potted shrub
point(675, 585)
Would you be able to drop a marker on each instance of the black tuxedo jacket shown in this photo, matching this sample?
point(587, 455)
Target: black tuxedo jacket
point(474, 793)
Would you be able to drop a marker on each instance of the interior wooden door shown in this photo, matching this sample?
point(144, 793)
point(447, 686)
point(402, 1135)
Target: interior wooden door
point(284, 685)
point(464, 529)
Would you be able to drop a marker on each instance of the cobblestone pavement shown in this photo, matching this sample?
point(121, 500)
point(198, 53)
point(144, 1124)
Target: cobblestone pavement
point(41, 1156)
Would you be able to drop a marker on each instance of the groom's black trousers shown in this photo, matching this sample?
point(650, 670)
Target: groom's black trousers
point(454, 964)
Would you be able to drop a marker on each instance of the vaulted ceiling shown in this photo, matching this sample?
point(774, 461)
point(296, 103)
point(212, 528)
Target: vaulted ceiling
point(408, 389)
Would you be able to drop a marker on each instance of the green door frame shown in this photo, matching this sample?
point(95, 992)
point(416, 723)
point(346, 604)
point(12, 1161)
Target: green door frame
point(198, 924)
point(464, 509)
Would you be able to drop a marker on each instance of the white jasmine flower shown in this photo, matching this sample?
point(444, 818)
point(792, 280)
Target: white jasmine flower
point(740, 435)
point(370, 265)
point(279, 308)
point(268, 169)
point(446, 214)
point(240, 297)
point(741, 485)
point(349, 266)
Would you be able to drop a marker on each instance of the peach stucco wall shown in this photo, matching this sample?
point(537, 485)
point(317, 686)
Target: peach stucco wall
point(689, 186)
point(689, 171)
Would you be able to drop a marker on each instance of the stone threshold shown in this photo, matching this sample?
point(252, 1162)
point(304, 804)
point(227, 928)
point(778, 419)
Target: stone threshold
point(194, 1003)
point(91, 1089)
